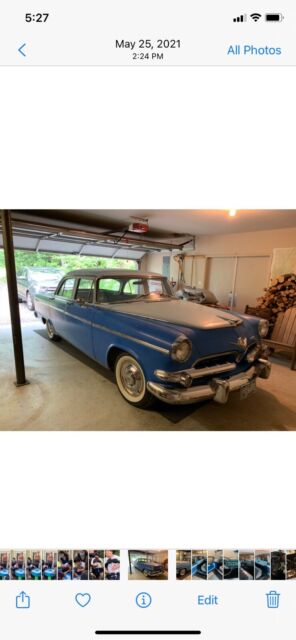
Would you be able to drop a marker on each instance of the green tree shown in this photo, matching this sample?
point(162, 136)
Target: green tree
point(65, 262)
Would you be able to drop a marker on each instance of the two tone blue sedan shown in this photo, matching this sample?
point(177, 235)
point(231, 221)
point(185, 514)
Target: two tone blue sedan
point(158, 347)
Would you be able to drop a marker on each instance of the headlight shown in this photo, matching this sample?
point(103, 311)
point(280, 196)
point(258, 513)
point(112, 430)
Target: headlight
point(181, 349)
point(263, 328)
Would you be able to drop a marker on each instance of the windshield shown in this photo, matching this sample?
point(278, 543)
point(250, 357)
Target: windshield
point(131, 289)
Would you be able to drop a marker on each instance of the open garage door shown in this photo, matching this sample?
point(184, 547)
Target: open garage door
point(88, 233)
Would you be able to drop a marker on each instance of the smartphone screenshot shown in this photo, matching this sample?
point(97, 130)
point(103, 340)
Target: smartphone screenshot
point(147, 320)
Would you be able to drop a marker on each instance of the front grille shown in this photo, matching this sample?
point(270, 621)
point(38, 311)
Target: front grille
point(217, 359)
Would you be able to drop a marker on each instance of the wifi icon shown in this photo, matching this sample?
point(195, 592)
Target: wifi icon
point(256, 16)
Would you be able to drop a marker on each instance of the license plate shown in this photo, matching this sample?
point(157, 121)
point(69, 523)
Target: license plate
point(248, 389)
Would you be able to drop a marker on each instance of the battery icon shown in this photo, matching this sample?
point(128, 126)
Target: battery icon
point(274, 17)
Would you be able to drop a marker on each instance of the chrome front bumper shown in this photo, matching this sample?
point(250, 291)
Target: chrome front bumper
point(217, 389)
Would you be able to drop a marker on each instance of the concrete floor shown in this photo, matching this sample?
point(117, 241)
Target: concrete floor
point(68, 391)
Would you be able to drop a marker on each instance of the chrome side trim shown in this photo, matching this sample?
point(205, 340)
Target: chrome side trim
point(113, 331)
point(137, 340)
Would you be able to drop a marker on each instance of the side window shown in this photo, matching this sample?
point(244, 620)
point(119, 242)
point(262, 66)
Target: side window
point(108, 290)
point(66, 290)
point(109, 284)
point(85, 290)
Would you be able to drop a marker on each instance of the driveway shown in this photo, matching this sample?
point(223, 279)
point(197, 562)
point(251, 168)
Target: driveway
point(27, 317)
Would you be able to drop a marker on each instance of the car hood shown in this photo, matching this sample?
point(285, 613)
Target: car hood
point(180, 312)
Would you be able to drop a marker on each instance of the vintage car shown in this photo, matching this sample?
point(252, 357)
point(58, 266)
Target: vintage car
point(158, 347)
point(149, 568)
point(33, 280)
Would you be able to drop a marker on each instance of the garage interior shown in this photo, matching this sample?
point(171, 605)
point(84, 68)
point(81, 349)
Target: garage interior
point(235, 255)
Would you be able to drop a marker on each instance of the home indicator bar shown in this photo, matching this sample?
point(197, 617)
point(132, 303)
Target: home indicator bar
point(148, 633)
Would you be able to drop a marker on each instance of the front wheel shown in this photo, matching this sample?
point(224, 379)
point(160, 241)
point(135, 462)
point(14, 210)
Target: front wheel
point(30, 301)
point(131, 381)
point(53, 336)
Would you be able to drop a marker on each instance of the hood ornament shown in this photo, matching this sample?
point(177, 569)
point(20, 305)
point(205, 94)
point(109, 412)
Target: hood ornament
point(242, 343)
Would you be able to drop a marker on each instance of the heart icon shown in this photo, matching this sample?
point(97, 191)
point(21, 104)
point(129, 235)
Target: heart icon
point(83, 599)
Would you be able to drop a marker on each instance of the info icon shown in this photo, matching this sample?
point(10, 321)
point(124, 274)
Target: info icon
point(143, 600)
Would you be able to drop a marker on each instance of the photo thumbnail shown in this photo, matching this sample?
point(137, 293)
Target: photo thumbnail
point(5, 573)
point(291, 565)
point(18, 565)
point(262, 565)
point(199, 569)
point(34, 565)
point(215, 565)
point(80, 565)
point(278, 565)
point(148, 564)
point(65, 565)
point(112, 565)
point(246, 565)
point(49, 565)
point(183, 565)
point(96, 565)
point(231, 565)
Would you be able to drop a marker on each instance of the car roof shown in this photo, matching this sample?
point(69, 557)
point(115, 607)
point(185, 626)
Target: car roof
point(46, 269)
point(102, 273)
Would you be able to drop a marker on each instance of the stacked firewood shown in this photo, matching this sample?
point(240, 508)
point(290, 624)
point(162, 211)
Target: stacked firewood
point(279, 296)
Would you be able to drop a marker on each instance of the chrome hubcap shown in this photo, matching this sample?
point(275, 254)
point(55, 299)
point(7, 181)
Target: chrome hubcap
point(50, 329)
point(132, 379)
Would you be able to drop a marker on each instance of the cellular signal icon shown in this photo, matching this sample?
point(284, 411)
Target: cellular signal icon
point(255, 16)
point(241, 18)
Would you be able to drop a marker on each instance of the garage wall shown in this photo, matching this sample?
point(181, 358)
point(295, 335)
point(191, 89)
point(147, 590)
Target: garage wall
point(236, 267)
point(237, 281)
point(154, 262)
point(256, 242)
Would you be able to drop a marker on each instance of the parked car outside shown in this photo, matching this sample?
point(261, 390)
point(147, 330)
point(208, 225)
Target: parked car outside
point(149, 568)
point(158, 347)
point(33, 280)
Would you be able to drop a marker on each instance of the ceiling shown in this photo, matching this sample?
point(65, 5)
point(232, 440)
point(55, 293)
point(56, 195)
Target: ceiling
point(105, 232)
point(203, 221)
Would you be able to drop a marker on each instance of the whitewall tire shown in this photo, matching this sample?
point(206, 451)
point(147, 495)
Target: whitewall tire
point(131, 381)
